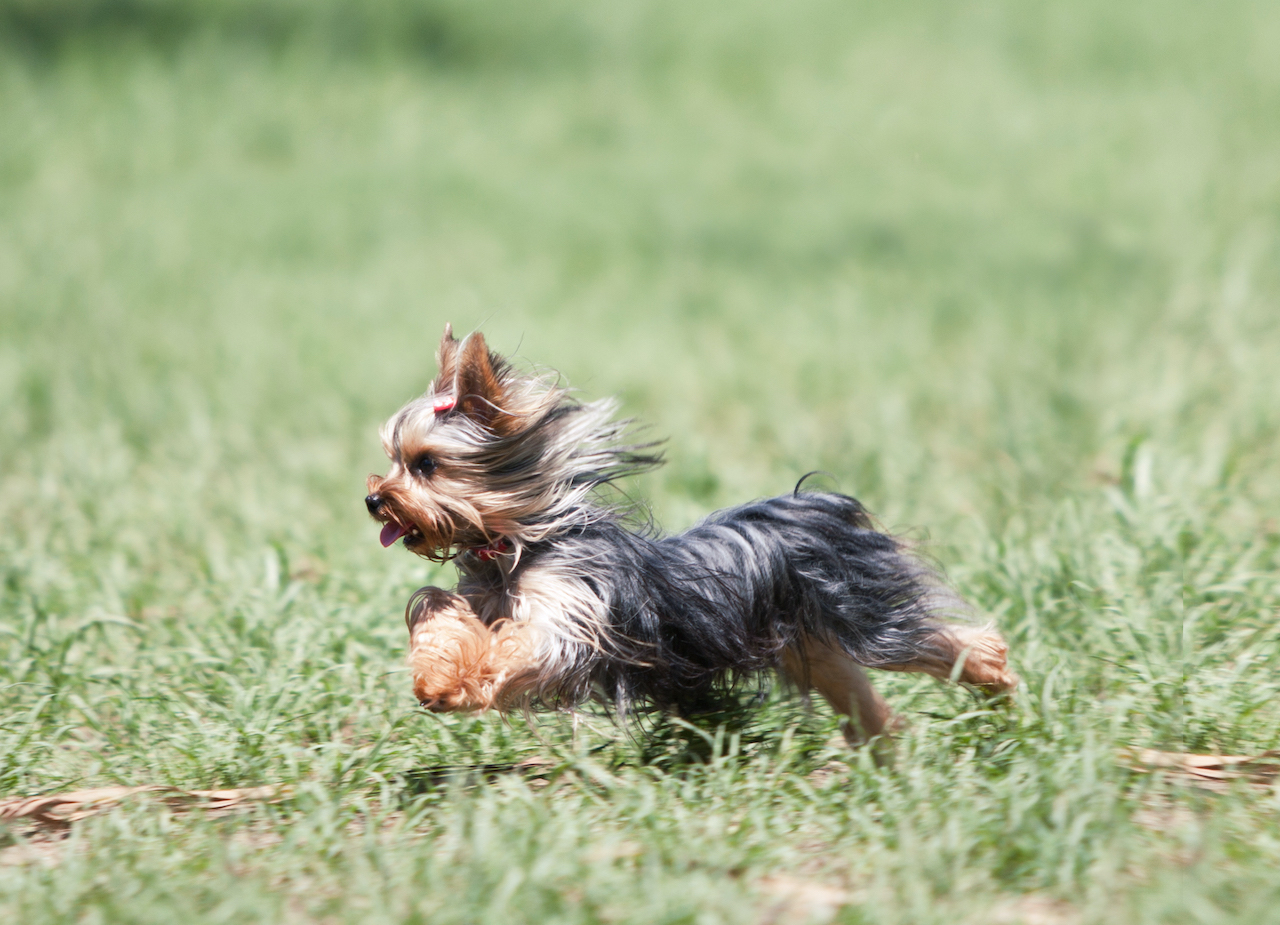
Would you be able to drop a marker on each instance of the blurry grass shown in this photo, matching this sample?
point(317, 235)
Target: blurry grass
point(1008, 271)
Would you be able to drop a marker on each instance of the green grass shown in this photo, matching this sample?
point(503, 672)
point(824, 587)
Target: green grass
point(1009, 272)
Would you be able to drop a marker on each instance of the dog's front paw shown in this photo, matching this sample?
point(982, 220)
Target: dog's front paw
point(458, 663)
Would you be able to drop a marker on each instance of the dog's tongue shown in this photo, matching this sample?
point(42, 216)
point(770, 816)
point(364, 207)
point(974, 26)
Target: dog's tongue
point(392, 532)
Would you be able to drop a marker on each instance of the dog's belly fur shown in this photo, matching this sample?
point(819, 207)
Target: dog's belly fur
point(802, 582)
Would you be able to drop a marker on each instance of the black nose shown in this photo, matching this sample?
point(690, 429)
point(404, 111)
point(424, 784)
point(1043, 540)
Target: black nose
point(373, 503)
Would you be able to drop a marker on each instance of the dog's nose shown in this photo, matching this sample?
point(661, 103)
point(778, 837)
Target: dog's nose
point(373, 503)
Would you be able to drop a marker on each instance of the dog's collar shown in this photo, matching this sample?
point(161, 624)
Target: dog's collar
point(487, 553)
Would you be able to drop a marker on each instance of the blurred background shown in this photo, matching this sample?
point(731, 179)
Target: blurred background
point(968, 258)
point(965, 257)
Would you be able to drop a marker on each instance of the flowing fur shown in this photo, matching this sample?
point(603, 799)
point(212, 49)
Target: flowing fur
point(560, 599)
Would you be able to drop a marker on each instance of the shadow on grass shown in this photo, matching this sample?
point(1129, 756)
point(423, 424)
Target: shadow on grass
point(419, 781)
point(737, 728)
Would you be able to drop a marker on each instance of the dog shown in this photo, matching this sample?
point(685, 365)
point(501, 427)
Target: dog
point(566, 595)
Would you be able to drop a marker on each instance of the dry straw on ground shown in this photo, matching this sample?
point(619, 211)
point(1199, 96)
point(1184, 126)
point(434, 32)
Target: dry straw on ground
point(61, 809)
point(1209, 772)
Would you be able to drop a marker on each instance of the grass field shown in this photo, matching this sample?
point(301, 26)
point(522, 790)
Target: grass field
point(1008, 271)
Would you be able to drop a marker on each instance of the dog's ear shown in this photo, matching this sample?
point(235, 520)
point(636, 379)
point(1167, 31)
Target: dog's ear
point(446, 359)
point(478, 383)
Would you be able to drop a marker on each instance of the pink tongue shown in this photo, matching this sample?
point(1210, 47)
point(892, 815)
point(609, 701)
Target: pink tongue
point(392, 532)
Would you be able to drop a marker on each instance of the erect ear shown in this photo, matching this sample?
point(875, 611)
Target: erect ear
point(446, 360)
point(478, 384)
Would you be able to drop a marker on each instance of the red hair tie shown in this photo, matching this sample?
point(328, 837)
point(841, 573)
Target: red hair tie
point(498, 547)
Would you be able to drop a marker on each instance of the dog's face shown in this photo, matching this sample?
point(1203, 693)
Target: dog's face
point(460, 454)
point(434, 496)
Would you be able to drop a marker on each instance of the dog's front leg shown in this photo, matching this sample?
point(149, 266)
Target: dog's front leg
point(459, 663)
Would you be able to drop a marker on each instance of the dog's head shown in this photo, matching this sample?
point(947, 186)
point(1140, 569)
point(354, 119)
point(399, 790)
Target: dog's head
point(469, 459)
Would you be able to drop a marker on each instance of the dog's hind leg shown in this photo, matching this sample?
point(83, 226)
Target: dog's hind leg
point(974, 655)
point(814, 664)
point(461, 664)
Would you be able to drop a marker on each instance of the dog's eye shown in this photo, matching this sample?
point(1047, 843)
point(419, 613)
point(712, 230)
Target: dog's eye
point(424, 465)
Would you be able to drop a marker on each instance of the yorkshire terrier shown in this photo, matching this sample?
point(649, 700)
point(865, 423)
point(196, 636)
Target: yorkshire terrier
point(563, 597)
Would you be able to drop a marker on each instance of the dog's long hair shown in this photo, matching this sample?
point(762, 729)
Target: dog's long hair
point(565, 595)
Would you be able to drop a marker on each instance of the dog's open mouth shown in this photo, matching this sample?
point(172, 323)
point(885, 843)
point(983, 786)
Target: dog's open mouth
point(393, 530)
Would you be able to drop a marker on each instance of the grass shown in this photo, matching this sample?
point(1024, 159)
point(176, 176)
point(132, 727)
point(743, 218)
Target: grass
point(1006, 271)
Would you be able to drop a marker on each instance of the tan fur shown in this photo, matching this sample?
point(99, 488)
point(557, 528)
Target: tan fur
point(824, 667)
point(480, 392)
point(460, 664)
point(968, 654)
point(447, 357)
point(975, 655)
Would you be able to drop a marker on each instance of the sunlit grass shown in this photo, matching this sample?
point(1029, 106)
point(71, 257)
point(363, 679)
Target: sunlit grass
point(1008, 272)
